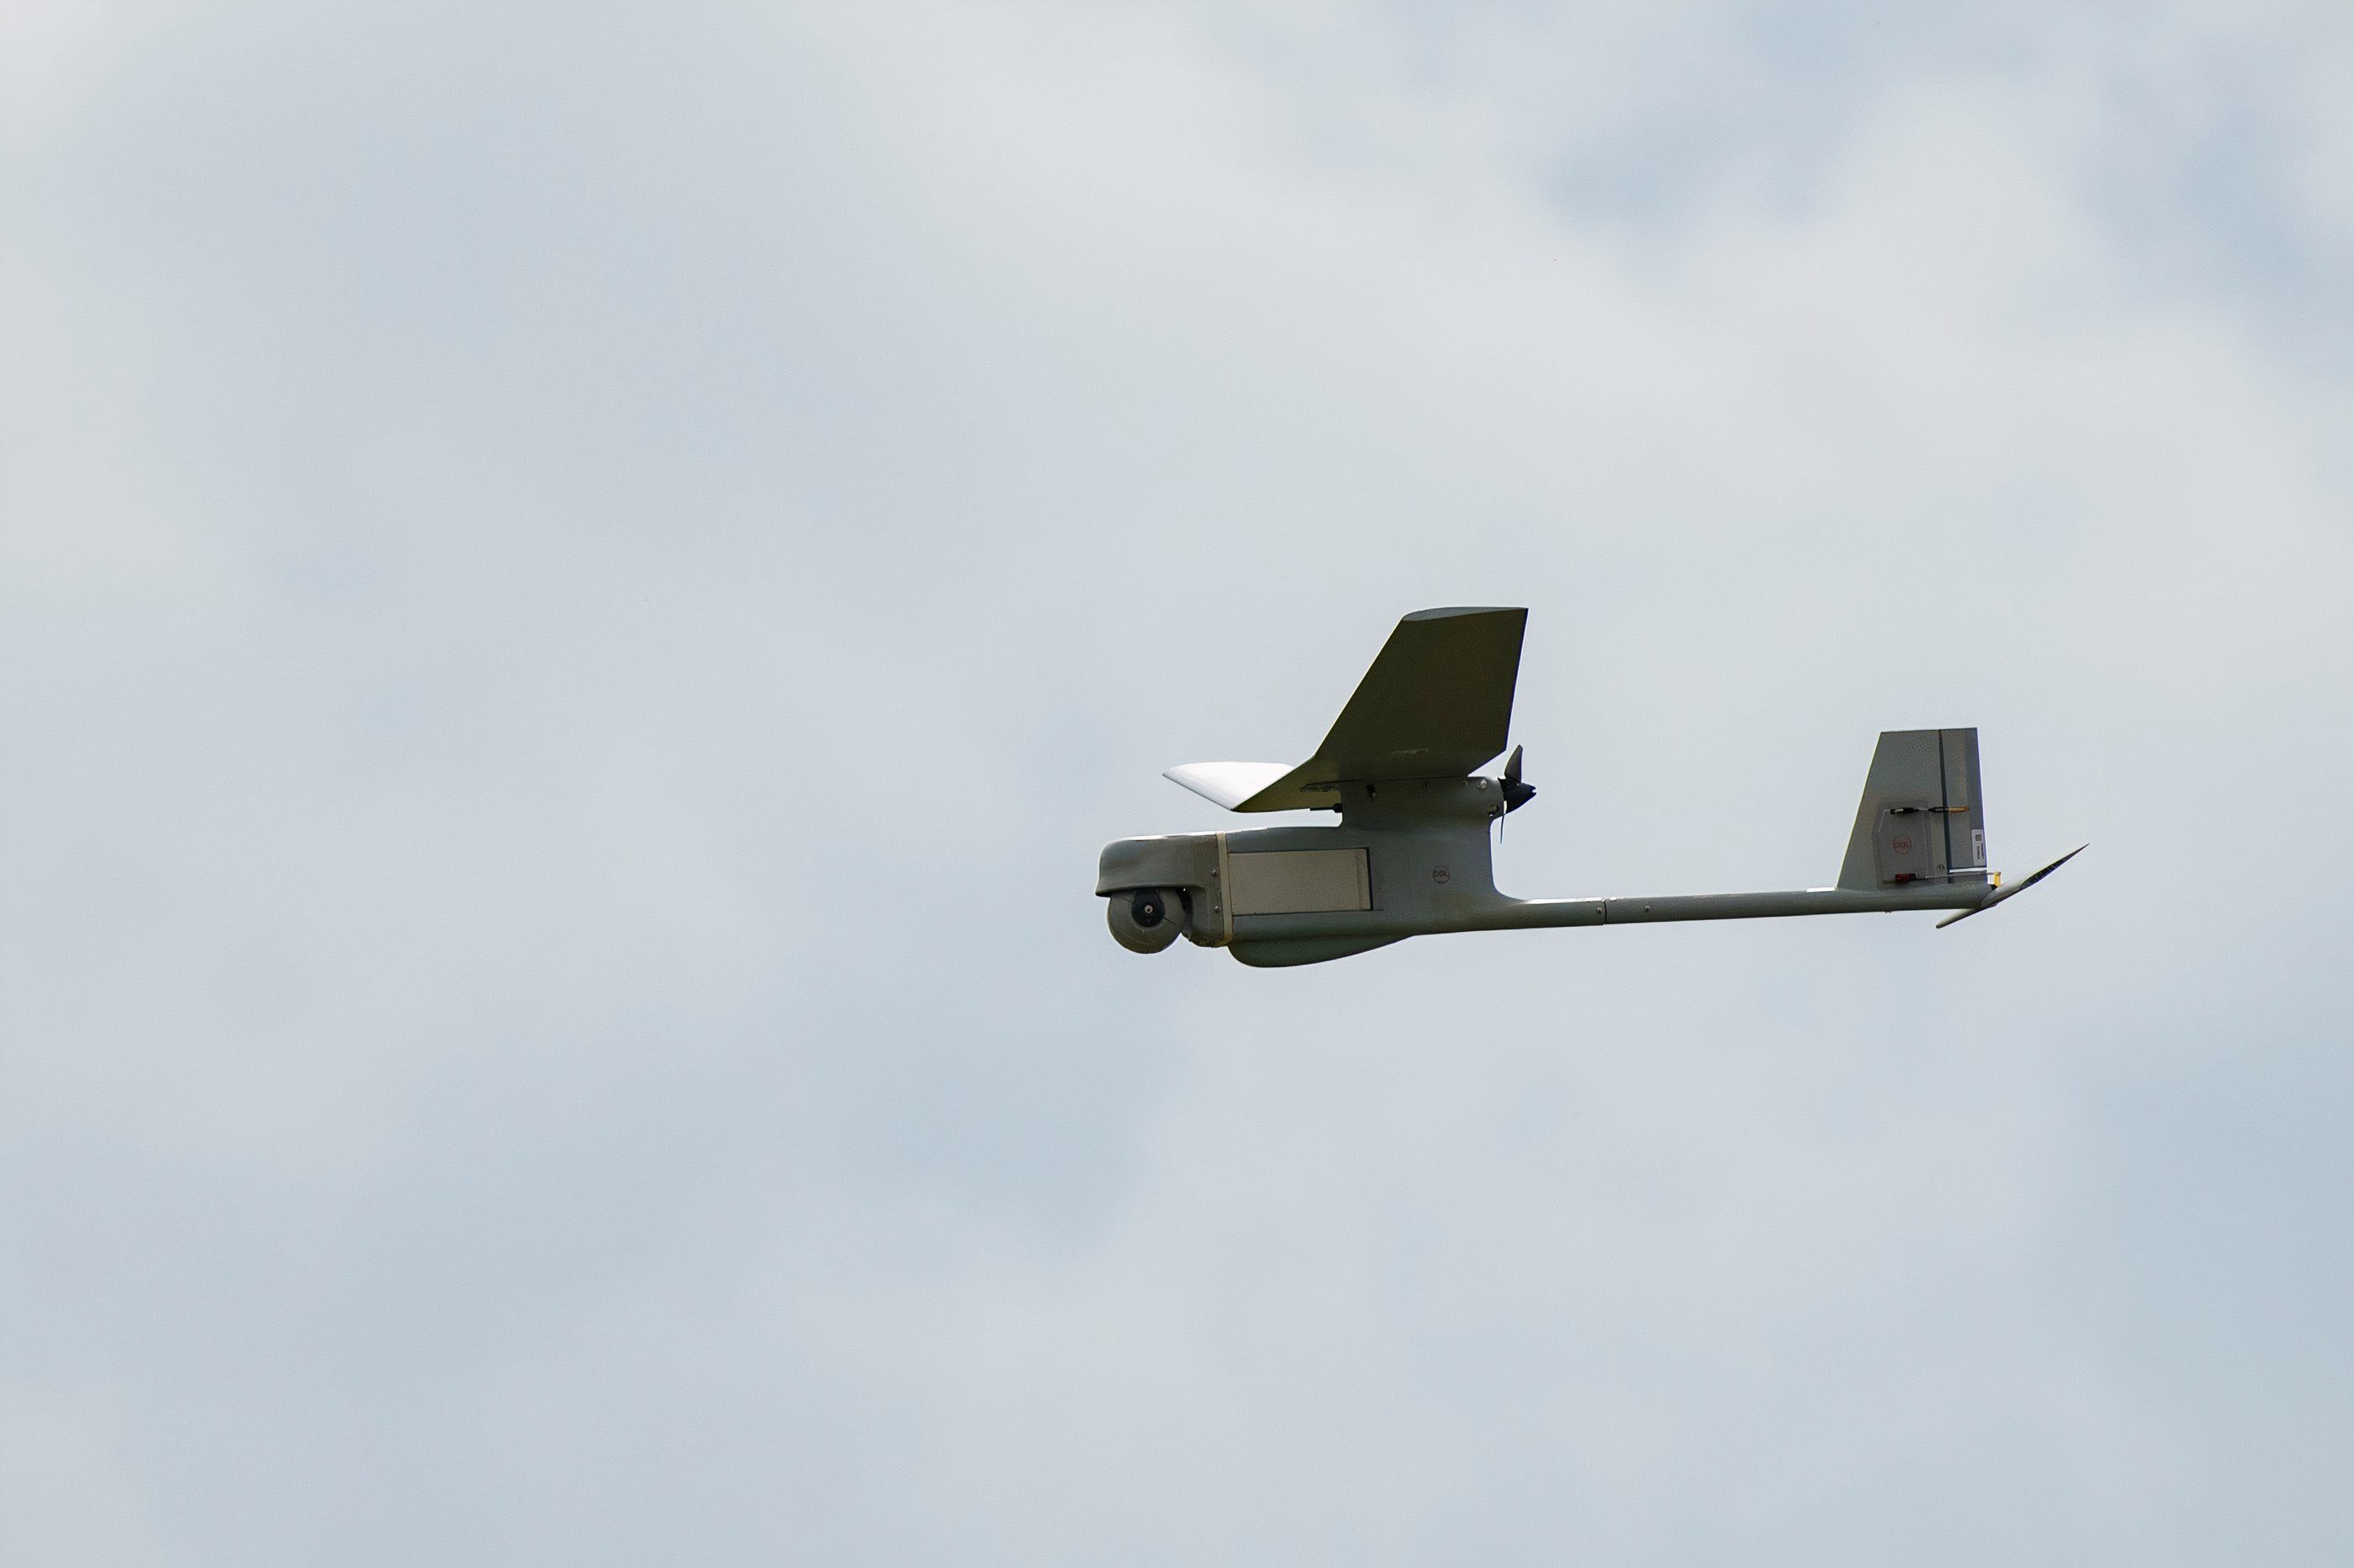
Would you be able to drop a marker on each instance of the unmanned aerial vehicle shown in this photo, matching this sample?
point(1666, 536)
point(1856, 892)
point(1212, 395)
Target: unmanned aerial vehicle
point(1410, 856)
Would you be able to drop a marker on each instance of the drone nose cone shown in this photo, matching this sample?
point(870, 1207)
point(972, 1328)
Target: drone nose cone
point(1517, 794)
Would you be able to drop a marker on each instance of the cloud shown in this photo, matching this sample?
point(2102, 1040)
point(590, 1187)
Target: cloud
point(582, 593)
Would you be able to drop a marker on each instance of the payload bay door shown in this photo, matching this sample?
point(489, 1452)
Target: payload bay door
point(1299, 882)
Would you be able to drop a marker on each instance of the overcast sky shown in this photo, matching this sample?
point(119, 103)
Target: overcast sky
point(584, 583)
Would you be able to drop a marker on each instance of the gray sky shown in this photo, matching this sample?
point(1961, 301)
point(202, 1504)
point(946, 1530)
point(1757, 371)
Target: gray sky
point(582, 585)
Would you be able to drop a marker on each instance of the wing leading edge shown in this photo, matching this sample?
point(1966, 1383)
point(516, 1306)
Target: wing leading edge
point(1437, 703)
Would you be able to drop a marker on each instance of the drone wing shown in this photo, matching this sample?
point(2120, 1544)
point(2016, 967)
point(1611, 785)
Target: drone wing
point(1437, 703)
point(1227, 783)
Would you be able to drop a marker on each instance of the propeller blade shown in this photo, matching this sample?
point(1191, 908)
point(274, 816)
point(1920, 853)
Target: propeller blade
point(1516, 794)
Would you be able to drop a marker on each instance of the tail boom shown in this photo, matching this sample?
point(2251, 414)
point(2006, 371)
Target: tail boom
point(1498, 913)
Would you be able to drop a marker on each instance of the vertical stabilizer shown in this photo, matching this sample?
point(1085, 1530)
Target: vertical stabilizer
point(1921, 819)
